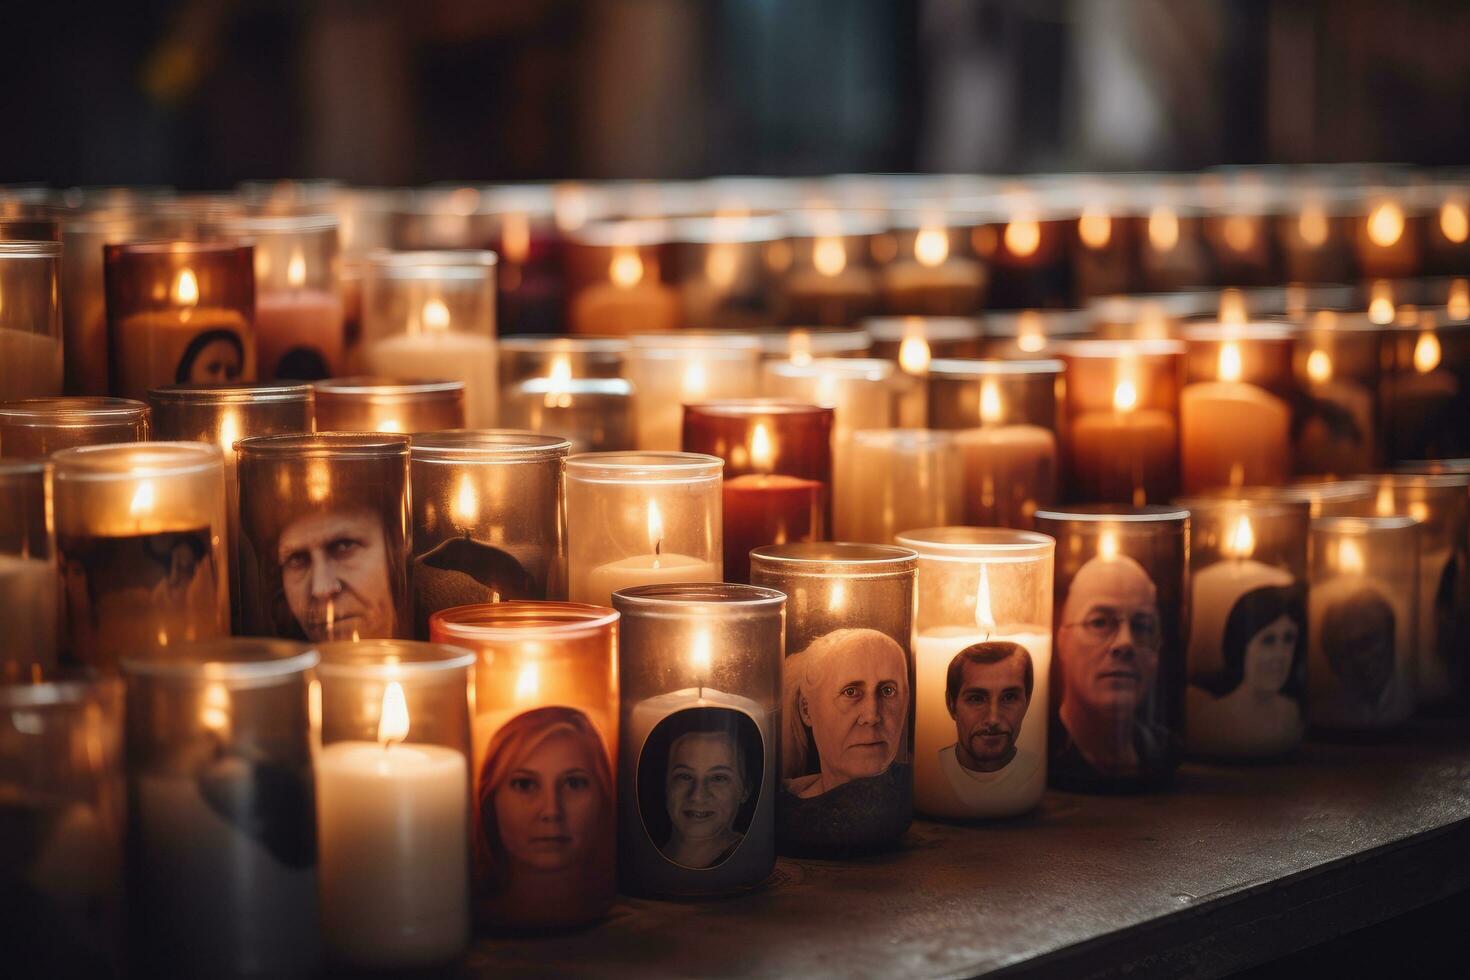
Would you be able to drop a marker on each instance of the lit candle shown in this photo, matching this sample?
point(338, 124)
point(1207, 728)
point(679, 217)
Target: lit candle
point(903, 479)
point(1338, 362)
point(675, 370)
point(657, 566)
point(932, 279)
point(1423, 395)
point(828, 281)
point(373, 404)
point(1122, 443)
point(630, 298)
point(570, 387)
point(1232, 431)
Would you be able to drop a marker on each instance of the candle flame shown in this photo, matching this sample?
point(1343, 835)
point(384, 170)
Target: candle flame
point(229, 432)
point(558, 383)
point(799, 344)
point(829, 256)
point(1094, 227)
point(143, 499)
point(389, 425)
point(465, 507)
point(721, 264)
point(1107, 545)
point(214, 709)
point(1458, 305)
point(762, 453)
point(694, 380)
point(1030, 335)
point(1311, 225)
point(393, 721)
point(1230, 367)
point(991, 409)
point(1384, 503)
point(700, 655)
point(1426, 352)
point(1232, 306)
point(984, 619)
point(837, 598)
point(1239, 232)
point(186, 288)
point(435, 315)
point(913, 354)
point(296, 268)
point(1385, 224)
point(1163, 229)
point(1350, 557)
point(528, 682)
point(626, 268)
point(931, 247)
point(1454, 223)
point(1380, 304)
point(515, 237)
point(1240, 540)
point(655, 528)
point(1125, 396)
point(1022, 237)
point(1419, 511)
point(1319, 366)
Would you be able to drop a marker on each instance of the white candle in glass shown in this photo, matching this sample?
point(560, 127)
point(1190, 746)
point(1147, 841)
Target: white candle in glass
point(433, 348)
point(656, 567)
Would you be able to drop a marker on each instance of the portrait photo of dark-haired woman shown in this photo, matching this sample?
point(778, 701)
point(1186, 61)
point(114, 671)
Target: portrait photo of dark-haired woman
point(213, 357)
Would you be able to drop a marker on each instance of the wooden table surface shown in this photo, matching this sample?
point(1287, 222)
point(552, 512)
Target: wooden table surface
point(1236, 866)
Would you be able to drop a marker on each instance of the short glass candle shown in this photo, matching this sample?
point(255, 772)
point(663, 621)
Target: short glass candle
point(933, 272)
point(1024, 242)
point(616, 271)
point(1363, 622)
point(1120, 439)
point(221, 835)
point(1117, 721)
point(1029, 334)
point(1387, 232)
point(393, 804)
point(720, 275)
point(28, 583)
point(141, 543)
point(849, 619)
point(1337, 369)
point(570, 387)
point(674, 370)
point(432, 315)
point(1247, 650)
point(383, 405)
point(1426, 388)
point(179, 313)
point(699, 667)
point(1004, 418)
point(824, 269)
point(641, 519)
point(489, 519)
point(41, 426)
point(778, 471)
point(301, 498)
point(982, 660)
point(896, 480)
point(546, 707)
point(30, 320)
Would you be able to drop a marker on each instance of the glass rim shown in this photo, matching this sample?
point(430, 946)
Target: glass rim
point(362, 445)
point(978, 367)
point(1433, 466)
point(273, 224)
point(236, 660)
point(242, 393)
point(1319, 490)
point(542, 344)
point(633, 466)
point(59, 693)
point(841, 368)
point(1418, 481)
point(821, 340)
point(371, 387)
point(964, 543)
point(430, 263)
point(1125, 306)
point(470, 445)
point(73, 409)
point(1263, 505)
point(1207, 331)
point(172, 246)
point(158, 459)
point(744, 408)
point(1113, 349)
point(383, 659)
point(24, 248)
point(1363, 525)
point(1147, 515)
point(907, 438)
point(831, 559)
point(513, 620)
point(892, 329)
point(680, 599)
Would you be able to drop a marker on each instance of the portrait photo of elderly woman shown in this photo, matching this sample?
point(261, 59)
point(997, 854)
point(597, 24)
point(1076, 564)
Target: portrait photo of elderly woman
point(544, 832)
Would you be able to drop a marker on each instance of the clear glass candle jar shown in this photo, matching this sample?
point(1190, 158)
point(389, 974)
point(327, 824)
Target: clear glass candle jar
point(913, 341)
point(1028, 334)
point(299, 333)
point(393, 803)
point(1425, 388)
point(60, 778)
point(221, 832)
point(1441, 504)
point(179, 312)
point(432, 315)
point(30, 320)
point(933, 271)
point(847, 702)
point(141, 544)
point(982, 662)
point(1247, 650)
point(1387, 233)
point(1004, 417)
point(570, 387)
point(616, 273)
point(778, 471)
point(1104, 241)
point(896, 480)
point(381, 405)
point(641, 519)
point(802, 345)
point(1172, 252)
point(719, 272)
point(28, 582)
point(545, 710)
point(699, 668)
point(824, 270)
point(673, 370)
point(1315, 234)
point(41, 426)
point(1336, 361)
point(325, 536)
point(1235, 411)
point(1025, 245)
point(489, 519)
point(1120, 438)
point(1117, 714)
point(1363, 630)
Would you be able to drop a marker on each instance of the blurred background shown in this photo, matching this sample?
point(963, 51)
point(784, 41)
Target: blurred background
point(204, 93)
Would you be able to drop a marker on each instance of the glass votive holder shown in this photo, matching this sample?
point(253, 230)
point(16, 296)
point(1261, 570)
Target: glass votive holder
point(1247, 652)
point(141, 545)
point(545, 721)
point(616, 271)
point(893, 480)
point(1363, 611)
point(673, 370)
point(1387, 231)
point(699, 667)
point(912, 342)
point(570, 387)
point(221, 833)
point(1425, 388)
point(489, 519)
point(1117, 716)
point(982, 663)
point(41, 426)
point(778, 471)
point(1337, 369)
point(1172, 253)
point(847, 701)
point(379, 404)
point(1004, 418)
point(1235, 411)
point(324, 536)
point(1441, 504)
point(1029, 334)
point(30, 320)
point(719, 270)
point(1120, 438)
point(393, 803)
point(28, 582)
point(932, 272)
point(802, 345)
point(641, 519)
point(179, 312)
point(1025, 246)
point(1316, 237)
point(1104, 244)
point(824, 270)
point(432, 315)
point(299, 332)
point(60, 778)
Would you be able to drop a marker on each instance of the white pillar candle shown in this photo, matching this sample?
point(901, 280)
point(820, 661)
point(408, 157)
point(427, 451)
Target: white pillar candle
point(601, 582)
point(1010, 470)
point(1232, 433)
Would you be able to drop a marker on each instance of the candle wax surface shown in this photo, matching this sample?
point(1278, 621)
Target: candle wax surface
point(441, 355)
point(598, 584)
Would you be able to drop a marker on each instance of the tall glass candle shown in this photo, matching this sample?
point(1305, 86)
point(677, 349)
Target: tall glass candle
point(570, 387)
point(393, 805)
point(141, 543)
point(543, 837)
point(699, 668)
point(675, 370)
point(179, 312)
point(1337, 368)
point(28, 584)
point(41, 426)
point(1364, 622)
point(30, 320)
point(982, 662)
point(900, 479)
point(1235, 409)
point(1117, 700)
point(1004, 415)
point(1426, 388)
point(325, 536)
point(432, 315)
point(1247, 649)
point(617, 270)
point(847, 701)
point(1121, 436)
point(489, 519)
point(778, 471)
point(641, 519)
point(382, 405)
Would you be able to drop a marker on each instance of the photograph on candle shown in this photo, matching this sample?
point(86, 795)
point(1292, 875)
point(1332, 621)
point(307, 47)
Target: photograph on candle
point(699, 778)
point(988, 689)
